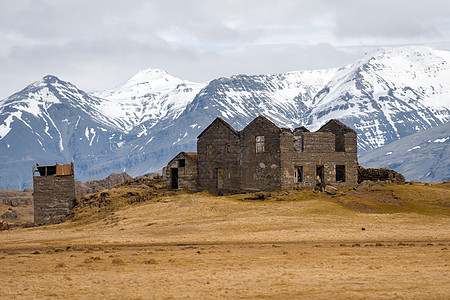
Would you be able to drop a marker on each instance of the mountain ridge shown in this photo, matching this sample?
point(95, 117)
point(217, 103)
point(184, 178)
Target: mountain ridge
point(139, 125)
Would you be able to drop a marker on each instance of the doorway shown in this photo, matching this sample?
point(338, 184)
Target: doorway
point(219, 174)
point(174, 178)
point(320, 174)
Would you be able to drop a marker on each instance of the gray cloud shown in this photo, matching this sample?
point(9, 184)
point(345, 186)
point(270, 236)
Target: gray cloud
point(99, 44)
point(391, 19)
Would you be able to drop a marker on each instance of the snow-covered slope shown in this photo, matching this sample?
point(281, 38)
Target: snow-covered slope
point(145, 99)
point(423, 156)
point(140, 125)
point(52, 121)
point(387, 95)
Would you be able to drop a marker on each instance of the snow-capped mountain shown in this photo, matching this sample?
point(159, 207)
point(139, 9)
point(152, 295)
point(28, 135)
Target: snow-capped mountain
point(145, 99)
point(423, 156)
point(387, 95)
point(52, 121)
point(140, 125)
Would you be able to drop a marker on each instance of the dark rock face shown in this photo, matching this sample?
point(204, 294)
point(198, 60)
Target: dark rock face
point(83, 188)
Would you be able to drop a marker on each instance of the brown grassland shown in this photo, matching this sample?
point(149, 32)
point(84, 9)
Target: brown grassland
point(138, 242)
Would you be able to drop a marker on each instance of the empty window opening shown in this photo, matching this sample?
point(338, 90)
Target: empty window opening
point(339, 143)
point(340, 173)
point(209, 149)
point(260, 144)
point(227, 148)
point(298, 174)
point(181, 163)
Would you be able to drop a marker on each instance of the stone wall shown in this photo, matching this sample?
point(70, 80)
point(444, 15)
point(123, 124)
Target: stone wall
point(260, 171)
point(318, 150)
point(264, 157)
point(54, 198)
point(186, 173)
point(219, 155)
point(384, 174)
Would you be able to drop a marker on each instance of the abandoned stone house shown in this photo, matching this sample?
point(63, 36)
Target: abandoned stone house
point(54, 193)
point(264, 157)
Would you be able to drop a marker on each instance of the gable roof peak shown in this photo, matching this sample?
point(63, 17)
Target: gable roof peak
point(221, 121)
point(338, 123)
point(263, 119)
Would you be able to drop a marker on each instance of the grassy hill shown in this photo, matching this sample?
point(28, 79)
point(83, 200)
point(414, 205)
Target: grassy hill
point(138, 241)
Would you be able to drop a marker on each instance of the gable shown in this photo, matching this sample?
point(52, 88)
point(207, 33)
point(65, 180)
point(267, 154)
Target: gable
point(218, 123)
point(335, 126)
point(192, 156)
point(262, 123)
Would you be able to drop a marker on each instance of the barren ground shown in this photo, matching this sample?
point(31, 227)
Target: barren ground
point(297, 245)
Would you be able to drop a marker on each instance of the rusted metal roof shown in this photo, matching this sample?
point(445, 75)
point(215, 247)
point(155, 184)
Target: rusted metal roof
point(193, 155)
point(53, 170)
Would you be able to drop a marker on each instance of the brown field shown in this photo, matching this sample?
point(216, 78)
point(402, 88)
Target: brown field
point(298, 244)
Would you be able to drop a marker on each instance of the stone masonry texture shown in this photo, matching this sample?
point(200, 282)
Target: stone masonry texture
point(264, 157)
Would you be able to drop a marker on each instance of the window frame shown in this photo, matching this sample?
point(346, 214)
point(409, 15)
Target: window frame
point(260, 144)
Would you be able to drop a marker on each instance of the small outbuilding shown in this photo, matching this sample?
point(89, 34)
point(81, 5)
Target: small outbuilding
point(54, 193)
point(181, 172)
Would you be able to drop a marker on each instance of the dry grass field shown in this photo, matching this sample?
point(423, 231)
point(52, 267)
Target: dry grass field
point(126, 243)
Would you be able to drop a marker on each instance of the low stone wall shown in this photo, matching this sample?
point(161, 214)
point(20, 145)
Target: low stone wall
point(384, 174)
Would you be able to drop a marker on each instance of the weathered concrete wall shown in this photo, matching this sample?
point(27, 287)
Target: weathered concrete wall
point(260, 171)
point(219, 155)
point(54, 198)
point(187, 175)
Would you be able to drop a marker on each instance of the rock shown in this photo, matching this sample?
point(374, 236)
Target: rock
point(83, 188)
point(4, 225)
point(10, 215)
point(329, 189)
point(362, 186)
point(15, 198)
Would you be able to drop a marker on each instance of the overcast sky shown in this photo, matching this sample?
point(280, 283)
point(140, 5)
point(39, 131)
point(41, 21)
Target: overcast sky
point(99, 44)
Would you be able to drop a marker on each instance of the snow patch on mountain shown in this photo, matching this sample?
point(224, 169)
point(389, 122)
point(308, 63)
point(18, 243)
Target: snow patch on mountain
point(147, 97)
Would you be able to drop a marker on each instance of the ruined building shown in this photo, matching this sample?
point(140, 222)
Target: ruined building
point(54, 193)
point(264, 157)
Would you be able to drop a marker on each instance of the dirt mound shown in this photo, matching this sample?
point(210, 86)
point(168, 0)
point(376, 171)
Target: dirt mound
point(100, 204)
